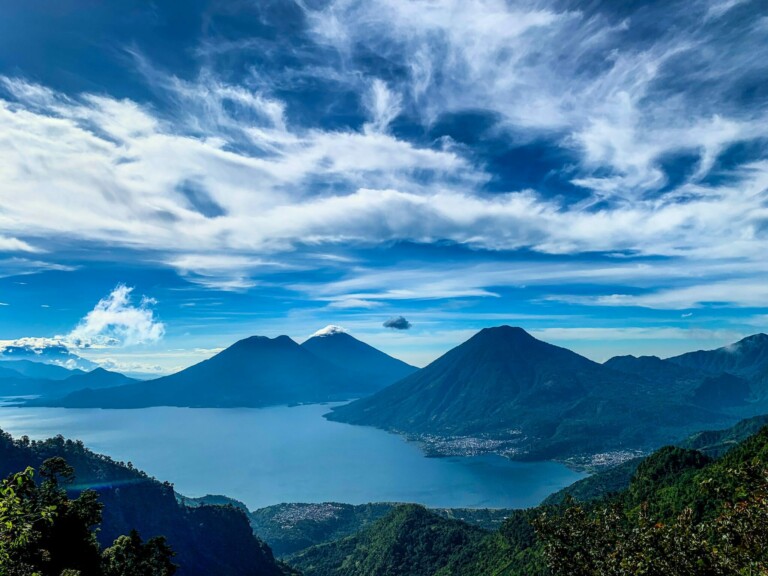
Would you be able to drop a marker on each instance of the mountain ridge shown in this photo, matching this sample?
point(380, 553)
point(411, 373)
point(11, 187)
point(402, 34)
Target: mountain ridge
point(258, 371)
point(502, 380)
point(254, 371)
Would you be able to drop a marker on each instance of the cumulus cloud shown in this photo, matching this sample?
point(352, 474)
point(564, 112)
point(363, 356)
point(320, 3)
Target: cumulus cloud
point(117, 321)
point(397, 323)
point(56, 351)
point(35, 344)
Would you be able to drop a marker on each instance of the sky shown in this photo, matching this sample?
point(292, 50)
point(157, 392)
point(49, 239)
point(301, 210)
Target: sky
point(175, 176)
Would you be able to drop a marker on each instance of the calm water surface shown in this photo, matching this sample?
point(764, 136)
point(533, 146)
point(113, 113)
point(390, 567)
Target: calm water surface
point(289, 454)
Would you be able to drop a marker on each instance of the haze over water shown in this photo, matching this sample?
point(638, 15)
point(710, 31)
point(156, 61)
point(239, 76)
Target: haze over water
point(289, 454)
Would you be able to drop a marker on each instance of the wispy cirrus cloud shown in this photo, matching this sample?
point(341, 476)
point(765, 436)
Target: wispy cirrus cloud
point(747, 293)
point(728, 283)
point(19, 266)
point(221, 177)
point(9, 244)
point(629, 102)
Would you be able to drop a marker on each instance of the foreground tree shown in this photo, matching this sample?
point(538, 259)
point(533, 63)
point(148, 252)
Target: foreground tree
point(129, 556)
point(43, 532)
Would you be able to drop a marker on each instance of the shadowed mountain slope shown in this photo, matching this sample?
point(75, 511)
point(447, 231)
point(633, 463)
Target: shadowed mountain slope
point(256, 371)
point(373, 368)
point(504, 381)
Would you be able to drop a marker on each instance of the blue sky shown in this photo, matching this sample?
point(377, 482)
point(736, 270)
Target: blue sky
point(178, 175)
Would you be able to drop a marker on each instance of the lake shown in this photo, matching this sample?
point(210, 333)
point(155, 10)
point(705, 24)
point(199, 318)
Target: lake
point(289, 454)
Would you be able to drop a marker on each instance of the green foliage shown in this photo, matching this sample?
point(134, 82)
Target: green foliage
point(512, 550)
point(44, 532)
point(207, 540)
point(20, 519)
point(129, 556)
point(598, 485)
point(716, 443)
point(682, 515)
point(291, 528)
point(659, 477)
point(409, 541)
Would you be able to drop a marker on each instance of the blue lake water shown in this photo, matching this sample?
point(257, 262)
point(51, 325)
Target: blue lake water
point(289, 454)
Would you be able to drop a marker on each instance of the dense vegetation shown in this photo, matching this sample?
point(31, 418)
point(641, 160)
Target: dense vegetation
point(681, 515)
point(291, 528)
point(597, 485)
point(206, 539)
point(409, 541)
point(713, 443)
point(44, 532)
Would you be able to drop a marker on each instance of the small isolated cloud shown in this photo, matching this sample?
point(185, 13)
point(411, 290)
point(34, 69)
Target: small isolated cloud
point(345, 303)
point(399, 323)
point(116, 321)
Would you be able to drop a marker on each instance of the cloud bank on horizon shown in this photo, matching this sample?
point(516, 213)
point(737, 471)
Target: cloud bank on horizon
point(336, 158)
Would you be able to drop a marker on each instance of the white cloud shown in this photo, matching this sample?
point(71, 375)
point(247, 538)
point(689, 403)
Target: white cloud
point(330, 330)
point(422, 281)
point(760, 320)
point(741, 293)
point(34, 343)
point(632, 333)
point(150, 370)
point(718, 8)
point(15, 245)
point(225, 272)
point(22, 266)
point(383, 105)
point(578, 73)
point(350, 303)
point(566, 75)
point(116, 321)
point(118, 171)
